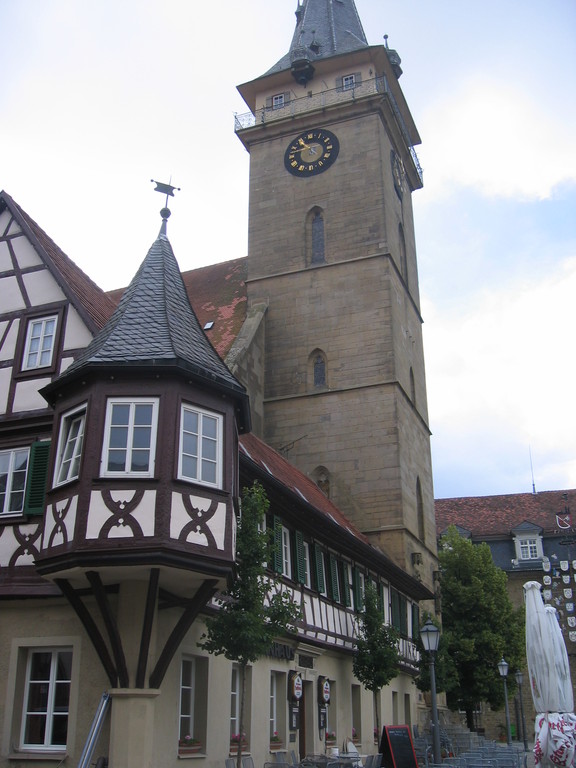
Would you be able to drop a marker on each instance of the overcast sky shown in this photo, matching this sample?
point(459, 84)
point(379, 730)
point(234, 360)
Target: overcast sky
point(98, 98)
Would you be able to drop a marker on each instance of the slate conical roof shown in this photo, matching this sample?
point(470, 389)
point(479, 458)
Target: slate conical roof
point(324, 28)
point(155, 325)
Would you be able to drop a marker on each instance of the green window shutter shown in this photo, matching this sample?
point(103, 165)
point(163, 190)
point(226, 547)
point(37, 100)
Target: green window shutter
point(318, 569)
point(286, 97)
point(346, 596)
point(300, 558)
point(357, 587)
point(415, 621)
point(334, 586)
point(403, 615)
point(37, 476)
point(395, 606)
point(381, 606)
point(277, 545)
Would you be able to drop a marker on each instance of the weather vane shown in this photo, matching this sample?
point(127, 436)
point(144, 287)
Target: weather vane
point(168, 190)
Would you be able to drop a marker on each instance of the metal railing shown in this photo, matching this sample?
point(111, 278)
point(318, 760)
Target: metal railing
point(328, 98)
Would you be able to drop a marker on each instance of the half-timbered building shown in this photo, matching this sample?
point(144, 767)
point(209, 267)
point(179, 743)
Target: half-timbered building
point(130, 421)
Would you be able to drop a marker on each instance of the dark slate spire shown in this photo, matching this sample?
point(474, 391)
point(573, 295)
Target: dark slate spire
point(154, 325)
point(324, 28)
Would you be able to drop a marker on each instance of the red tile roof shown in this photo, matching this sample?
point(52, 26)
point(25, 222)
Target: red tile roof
point(217, 294)
point(91, 302)
point(281, 469)
point(486, 516)
point(278, 469)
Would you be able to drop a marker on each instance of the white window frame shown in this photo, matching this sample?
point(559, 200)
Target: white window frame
point(132, 402)
point(44, 338)
point(348, 82)
point(273, 703)
point(235, 701)
point(286, 553)
point(51, 712)
point(201, 457)
point(70, 446)
point(529, 547)
point(307, 564)
point(278, 101)
point(186, 719)
point(11, 454)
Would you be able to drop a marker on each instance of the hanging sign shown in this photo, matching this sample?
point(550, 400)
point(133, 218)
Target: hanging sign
point(323, 691)
point(294, 686)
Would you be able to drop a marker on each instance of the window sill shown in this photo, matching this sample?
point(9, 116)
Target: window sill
point(39, 755)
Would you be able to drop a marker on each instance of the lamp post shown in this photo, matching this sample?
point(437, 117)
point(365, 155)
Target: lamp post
point(503, 669)
point(520, 680)
point(430, 635)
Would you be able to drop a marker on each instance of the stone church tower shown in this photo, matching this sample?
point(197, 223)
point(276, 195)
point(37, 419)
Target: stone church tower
point(332, 269)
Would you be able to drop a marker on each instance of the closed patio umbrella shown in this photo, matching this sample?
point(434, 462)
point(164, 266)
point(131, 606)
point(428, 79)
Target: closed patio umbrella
point(549, 672)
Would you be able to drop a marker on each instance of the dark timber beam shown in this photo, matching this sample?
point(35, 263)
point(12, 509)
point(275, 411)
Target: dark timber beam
point(202, 596)
point(147, 627)
point(111, 627)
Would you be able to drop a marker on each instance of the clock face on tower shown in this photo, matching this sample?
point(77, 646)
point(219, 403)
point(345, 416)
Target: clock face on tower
point(312, 152)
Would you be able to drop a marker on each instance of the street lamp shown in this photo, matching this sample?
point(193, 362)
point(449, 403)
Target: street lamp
point(520, 680)
point(503, 669)
point(430, 635)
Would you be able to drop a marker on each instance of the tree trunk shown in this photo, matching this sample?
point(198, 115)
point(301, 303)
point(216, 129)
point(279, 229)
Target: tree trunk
point(377, 716)
point(241, 718)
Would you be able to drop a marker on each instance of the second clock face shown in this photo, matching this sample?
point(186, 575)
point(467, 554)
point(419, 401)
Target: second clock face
point(311, 152)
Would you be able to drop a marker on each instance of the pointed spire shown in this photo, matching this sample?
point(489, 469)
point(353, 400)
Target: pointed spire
point(154, 326)
point(324, 28)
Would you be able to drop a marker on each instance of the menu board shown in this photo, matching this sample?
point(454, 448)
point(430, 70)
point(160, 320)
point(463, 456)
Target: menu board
point(397, 747)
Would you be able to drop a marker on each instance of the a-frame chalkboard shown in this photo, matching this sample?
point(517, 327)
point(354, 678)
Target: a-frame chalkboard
point(397, 747)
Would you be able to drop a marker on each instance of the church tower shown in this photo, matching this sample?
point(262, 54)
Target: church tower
point(332, 264)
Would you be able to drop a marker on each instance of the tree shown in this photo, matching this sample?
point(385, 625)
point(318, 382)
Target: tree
point(252, 613)
point(479, 625)
point(376, 659)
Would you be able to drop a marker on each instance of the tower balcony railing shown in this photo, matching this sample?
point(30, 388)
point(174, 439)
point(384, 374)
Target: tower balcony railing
point(329, 97)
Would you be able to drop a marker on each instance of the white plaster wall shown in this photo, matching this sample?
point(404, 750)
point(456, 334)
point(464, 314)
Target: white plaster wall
point(5, 258)
point(42, 288)
point(76, 335)
point(9, 345)
point(5, 374)
point(11, 296)
point(26, 256)
point(27, 397)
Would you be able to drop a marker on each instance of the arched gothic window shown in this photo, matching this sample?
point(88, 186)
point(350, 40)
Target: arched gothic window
point(420, 511)
point(315, 240)
point(402, 246)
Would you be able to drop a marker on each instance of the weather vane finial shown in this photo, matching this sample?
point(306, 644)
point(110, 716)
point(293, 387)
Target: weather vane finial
point(168, 190)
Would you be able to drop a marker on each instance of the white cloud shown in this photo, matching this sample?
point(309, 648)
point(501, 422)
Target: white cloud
point(502, 140)
point(501, 378)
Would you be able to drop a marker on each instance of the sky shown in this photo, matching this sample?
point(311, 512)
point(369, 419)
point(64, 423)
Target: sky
point(97, 99)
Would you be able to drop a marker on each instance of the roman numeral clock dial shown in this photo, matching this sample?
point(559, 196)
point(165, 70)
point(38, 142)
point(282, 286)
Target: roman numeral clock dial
point(311, 152)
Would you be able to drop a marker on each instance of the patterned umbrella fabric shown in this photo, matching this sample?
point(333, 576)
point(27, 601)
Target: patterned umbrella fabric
point(549, 672)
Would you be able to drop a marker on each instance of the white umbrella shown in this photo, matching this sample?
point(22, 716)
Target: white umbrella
point(549, 672)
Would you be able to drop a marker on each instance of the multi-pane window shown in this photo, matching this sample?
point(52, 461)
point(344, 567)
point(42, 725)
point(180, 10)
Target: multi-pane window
point(70, 447)
point(187, 695)
point(278, 101)
point(528, 549)
point(39, 346)
point(47, 699)
point(348, 82)
point(286, 554)
point(274, 690)
point(13, 471)
point(235, 703)
point(201, 446)
point(130, 437)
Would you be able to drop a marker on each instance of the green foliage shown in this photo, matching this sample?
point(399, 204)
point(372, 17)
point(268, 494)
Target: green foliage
point(252, 614)
point(376, 658)
point(251, 617)
point(479, 624)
